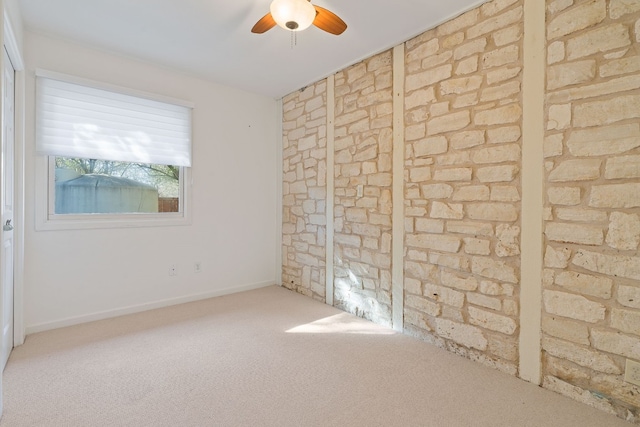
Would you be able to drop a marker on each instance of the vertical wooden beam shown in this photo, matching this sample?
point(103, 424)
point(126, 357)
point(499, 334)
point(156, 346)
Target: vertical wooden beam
point(532, 191)
point(397, 220)
point(330, 188)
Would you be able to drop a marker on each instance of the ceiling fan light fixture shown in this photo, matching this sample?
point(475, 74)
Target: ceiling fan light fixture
point(293, 15)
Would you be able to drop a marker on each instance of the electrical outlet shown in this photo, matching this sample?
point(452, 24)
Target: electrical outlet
point(632, 372)
point(197, 267)
point(172, 270)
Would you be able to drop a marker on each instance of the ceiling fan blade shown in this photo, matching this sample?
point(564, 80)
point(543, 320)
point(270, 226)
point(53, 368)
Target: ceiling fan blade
point(264, 24)
point(329, 21)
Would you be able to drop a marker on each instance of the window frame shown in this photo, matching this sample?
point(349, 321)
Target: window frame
point(45, 217)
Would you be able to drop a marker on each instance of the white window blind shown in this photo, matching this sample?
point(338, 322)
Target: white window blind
point(76, 120)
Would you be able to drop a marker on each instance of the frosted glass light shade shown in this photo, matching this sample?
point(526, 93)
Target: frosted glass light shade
point(293, 15)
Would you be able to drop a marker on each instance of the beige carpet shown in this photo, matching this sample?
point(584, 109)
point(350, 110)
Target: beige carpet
point(267, 357)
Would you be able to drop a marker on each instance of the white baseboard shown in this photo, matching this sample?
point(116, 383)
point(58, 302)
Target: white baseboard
point(41, 327)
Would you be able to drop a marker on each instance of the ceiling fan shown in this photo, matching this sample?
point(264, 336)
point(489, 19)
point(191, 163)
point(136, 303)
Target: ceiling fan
point(297, 15)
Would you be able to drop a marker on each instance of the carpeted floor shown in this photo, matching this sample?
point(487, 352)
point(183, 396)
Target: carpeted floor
point(267, 357)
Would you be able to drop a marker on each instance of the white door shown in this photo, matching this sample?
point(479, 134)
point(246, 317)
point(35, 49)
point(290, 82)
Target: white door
point(6, 211)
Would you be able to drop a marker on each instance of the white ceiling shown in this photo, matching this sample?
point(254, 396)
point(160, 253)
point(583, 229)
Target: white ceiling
point(212, 38)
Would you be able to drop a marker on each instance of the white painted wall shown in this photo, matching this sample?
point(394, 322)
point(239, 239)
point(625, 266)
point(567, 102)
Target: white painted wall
point(80, 275)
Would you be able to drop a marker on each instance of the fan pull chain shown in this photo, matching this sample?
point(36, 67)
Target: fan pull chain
point(294, 39)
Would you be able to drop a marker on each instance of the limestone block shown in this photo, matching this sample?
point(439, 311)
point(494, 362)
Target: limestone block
point(556, 257)
point(624, 231)
point(414, 132)
point(347, 239)
point(504, 134)
point(622, 167)
point(601, 39)
point(452, 40)
point(460, 85)
point(567, 196)
point(507, 35)
point(449, 122)
point(380, 179)
point(499, 154)
point(495, 23)
point(492, 212)
point(571, 73)
point(506, 173)
point(472, 228)
point(426, 225)
point(608, 87)
point(616, 343)
point(573, 306)
point(629, 296)
point(484, 301)
point(421, 270)
point(463, 334)
point(447, 210)
point(349, 118)
point(440, 242)
point(576, 393)
point(611, 265)
point(462, 101)
point(559, 117)
point(556, 6)
point(508, 240)
point(553, 145)
point(423, 305)
point(419, 97)
point(580, 355)
point(620, 66)
point(427, 78)
point(454, 158)
point(453, 174)
point(430, 146)
point(430, 47)
point(619, 8)
point(581, 215)
point(504, 193)
point(356, 215)
point(368, 153)
point(498, 270)
point(469, 283)
point(470, 193)
point(566, 329)
point(615, 196)
point(467, 66)
point(555, 52)
point(586, 15)
point(488, 287)
point(412, 286)
point(451, 261)
point(626, 321)
point(501, 92)
point(492, 321)
point(436, 191)
point(503, 74)
point(585, 284)
point(574, 233)
point(477, 246)
point(507, 114)
point(467, 139)
point(468, 49)
point(465, 20)
point(444, 295)
point(576, 170)
point(420, 174)
point(502, 56)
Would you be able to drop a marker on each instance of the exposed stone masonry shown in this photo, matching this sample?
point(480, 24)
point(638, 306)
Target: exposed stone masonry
point(363, 165)
point(463, 118)
point(304, 190)
point(591, 298)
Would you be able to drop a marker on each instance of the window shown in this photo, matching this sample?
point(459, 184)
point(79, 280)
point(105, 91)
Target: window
point(112, 157)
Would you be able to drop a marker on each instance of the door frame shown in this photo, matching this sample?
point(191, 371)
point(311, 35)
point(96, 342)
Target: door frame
point(10, 43)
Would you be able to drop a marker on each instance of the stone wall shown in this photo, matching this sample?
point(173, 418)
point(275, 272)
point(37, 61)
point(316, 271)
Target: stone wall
point(463, 119)
point(363, 179)
point(591, 298)
point(463, 112)
point(304, 190)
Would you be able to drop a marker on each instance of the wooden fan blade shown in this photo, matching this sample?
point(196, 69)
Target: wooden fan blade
point(329, 21)
point(264, 24)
